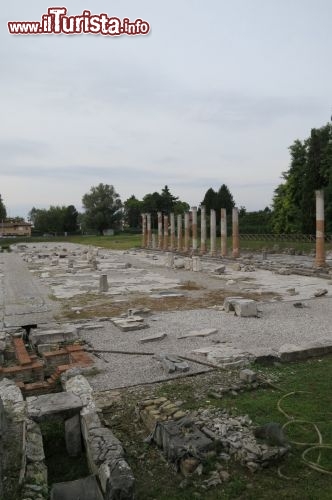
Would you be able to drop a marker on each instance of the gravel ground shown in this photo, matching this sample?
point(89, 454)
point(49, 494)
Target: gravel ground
point(280, 323)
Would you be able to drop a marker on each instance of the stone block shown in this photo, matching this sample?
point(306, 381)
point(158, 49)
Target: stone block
point(188, 264)
point(53, 336)
point(220, 269)
point(153, 338)
point(205, 332)
point(103, 283)
point(245, 308)
point(291, 352)
point(82, 489)
point(229, 303)
point(60, 403)
point(172, 363)
point(197, 264)
point(248, 376)
point(73, 436)
point(169, 259)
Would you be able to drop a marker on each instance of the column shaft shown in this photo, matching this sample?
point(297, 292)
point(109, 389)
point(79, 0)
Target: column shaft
point(213, 231)
point(320, 243)
point(235, 231)
point(223, 232)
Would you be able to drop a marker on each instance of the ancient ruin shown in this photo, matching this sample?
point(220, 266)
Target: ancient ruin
point(71, 321)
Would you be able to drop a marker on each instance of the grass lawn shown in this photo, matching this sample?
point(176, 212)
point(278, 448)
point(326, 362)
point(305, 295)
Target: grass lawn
point(126, 241)
point(312, 402)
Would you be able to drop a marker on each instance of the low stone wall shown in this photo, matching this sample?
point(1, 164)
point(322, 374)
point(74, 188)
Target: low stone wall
point(22, 454)
point(104, 451)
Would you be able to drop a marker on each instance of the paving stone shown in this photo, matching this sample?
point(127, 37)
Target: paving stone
point(199, 333)
point(153, 338)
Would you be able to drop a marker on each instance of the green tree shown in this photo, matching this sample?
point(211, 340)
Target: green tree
point(132, 212)
point(167, 200)
point(225, 199)
point(51, 220)
point(180, 207)
point(70, 219)
point(102, 208)
point(3, 211)
point(219, 199)
point(210, 200)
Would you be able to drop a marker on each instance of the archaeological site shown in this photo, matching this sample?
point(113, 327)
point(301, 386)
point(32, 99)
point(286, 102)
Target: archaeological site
point(114, 361)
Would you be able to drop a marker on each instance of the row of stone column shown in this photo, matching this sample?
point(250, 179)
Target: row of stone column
point(173, 236)
point(176, 241)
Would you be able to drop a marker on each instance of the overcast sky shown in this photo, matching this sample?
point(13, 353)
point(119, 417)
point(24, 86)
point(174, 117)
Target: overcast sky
point(216, 93)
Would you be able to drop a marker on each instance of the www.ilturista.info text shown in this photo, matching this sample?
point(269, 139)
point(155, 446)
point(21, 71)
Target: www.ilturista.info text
point(56, 22)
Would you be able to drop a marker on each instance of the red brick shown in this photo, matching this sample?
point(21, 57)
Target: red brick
point(22, 354)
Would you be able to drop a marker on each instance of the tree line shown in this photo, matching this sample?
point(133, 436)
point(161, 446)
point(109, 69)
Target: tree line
point(310, 169)
point(292, 210)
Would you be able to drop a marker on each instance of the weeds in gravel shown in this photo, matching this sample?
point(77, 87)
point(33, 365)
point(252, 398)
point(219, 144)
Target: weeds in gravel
point(156, 479)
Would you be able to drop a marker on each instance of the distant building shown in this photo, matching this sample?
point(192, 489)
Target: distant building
point(8, 229)
point(108, 232)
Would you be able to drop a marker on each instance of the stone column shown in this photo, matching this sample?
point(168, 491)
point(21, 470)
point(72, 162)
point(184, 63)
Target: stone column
point(194, 229)
point(213, 231)
point(148, 223)
point(172, 245)
point(103, 283)
point(144, 232)
point(320, 244)
point(235, 230)
point(166, 232)
point(203, 230)
point(186, 232)
point(179, 234)
point(223, 232)
point(160, 231)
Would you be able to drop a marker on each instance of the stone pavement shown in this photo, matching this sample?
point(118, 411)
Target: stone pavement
point(74, 272)
point(23, 299)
